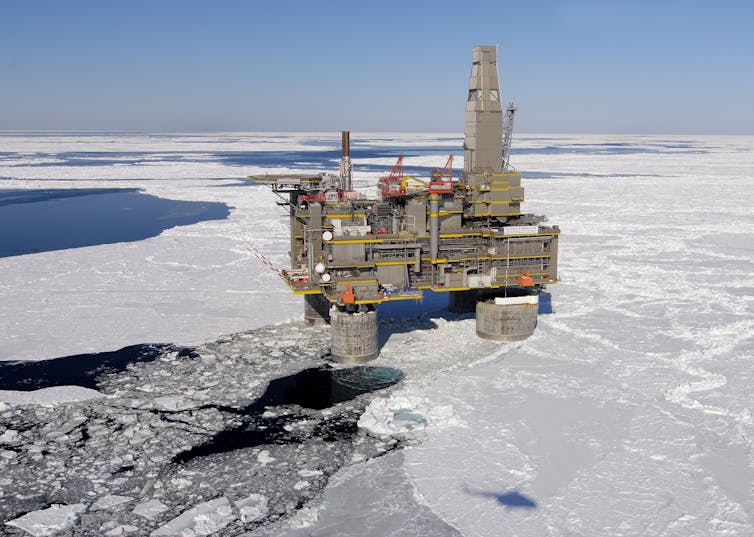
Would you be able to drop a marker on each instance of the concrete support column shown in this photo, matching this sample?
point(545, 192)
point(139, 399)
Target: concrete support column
point(353, 335)
point(507, 318)
point(463, 301)
point(316, 310)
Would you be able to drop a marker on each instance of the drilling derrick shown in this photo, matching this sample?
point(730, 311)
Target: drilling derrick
point(464, 235)
point(483, 141)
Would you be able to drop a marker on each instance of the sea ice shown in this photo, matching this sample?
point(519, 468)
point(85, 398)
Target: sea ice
point(54, 395)
point(49, 521)
point(252, 507)
point(151, 509)
point(173, 403)
point(628, 412)
point(203, 519)
point(404, 416)
point(6, 454)
point(121, 529)
point(264, 457)
point(109, 502)
point(10, 437)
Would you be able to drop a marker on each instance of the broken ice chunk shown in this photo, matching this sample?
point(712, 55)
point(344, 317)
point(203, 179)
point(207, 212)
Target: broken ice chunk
point(150, 509)
point(54, 395)
point(252, 508)
point(10, 438)
point(49, 521)
point(110, 501)
point(180, 483)
point(264, 457)
point(309, 473)
point(6, 454)
point(301, 484)
point(173, 403)
point(203, 519)
point(121, 530)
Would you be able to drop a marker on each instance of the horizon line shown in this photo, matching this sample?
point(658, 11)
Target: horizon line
point(335, 132)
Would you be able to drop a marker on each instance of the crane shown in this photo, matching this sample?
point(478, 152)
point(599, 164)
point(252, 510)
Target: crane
point(510, 111)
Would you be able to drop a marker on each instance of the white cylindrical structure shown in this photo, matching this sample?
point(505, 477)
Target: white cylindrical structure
point(507, 318)
point(353, 336)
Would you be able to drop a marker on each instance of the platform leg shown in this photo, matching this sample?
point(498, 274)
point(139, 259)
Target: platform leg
point(513, 320)
point(353, 334)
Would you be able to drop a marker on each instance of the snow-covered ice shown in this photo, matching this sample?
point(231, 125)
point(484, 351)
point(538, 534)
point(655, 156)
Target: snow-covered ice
point(53, 395)
point(629, 412)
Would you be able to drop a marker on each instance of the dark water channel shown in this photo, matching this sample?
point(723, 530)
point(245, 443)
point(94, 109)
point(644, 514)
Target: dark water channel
point(322, 387)
point(44, 220)
point(315, 389)
point(85, 370)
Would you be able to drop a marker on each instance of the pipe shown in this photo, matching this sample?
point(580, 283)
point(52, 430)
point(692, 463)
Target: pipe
point(434, 226)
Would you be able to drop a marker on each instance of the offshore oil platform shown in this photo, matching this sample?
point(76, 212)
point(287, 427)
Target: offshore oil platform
point(464, 235)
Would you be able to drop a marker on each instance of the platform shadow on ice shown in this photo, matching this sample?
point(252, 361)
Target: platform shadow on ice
point(545, 304)
point(85, 370)
point(409, 315)
point(271, 419)
point(512, 499)
point(44, 220)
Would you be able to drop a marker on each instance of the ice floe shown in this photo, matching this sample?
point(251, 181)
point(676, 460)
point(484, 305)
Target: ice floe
point(48, 521)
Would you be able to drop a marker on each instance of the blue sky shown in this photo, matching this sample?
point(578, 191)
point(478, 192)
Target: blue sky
point(167, 65)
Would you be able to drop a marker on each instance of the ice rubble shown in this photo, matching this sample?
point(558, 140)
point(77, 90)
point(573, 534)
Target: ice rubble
point(404, 416)
point(120, 455)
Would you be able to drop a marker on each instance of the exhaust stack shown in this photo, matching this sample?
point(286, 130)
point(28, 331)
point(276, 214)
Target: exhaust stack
point(346, 168)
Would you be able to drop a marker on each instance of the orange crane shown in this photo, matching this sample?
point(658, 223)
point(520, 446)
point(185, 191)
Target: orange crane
point(392, 186)
point(438, 183)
